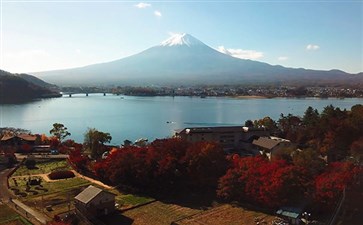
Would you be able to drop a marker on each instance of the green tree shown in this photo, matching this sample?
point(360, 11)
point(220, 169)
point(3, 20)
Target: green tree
point(94, 141)
point(30, 163)
point(59, 131)
point(309, 160)
point(249, 123)
point(311, 117)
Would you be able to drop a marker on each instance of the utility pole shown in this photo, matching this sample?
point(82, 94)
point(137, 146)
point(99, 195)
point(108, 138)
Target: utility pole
point(69, 203)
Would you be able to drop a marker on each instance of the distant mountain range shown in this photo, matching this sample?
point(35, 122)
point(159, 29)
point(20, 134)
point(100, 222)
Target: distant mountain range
point(23, 87)
point(183, 59)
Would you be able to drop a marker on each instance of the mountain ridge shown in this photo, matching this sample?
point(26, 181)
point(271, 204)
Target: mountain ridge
point(183, 59)
point(23, 87)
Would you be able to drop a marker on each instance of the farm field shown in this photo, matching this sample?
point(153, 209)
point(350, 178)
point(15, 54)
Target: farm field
point(158, 213)
point(57, 194)
point(54, 195)
point(227, 215)
point(43, 167)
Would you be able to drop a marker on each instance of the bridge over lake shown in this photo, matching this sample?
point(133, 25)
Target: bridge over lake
point(70, 94)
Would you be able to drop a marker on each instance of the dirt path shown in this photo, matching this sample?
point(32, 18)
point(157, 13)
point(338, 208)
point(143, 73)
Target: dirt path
point(92, 180)
point(45, 177)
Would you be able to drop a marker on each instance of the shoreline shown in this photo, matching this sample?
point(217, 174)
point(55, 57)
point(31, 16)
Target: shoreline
point(250, 97)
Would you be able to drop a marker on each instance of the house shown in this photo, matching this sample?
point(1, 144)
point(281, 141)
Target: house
point(12, 142)
point(271, 145)
point(231, 138)
point(95, 202)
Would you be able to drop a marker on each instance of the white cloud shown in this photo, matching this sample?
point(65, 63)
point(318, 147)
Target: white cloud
point(240, 53)
point(78, 51)
point(312, 47)
point(157, 13)
point(282, 58)
point(142, 5)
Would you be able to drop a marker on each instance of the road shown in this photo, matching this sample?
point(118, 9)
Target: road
point(40, 156)
point(5, 195)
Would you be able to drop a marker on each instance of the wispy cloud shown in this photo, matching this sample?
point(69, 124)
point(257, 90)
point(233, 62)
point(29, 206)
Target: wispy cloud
point(142, 5)
point(282, 58)
point(157, 13)
point(241, 53)
point(312, 47)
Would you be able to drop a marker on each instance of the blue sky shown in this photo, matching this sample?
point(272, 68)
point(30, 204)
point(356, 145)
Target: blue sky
point(47, 35)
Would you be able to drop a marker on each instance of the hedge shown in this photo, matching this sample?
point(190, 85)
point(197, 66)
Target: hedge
point(62, 174)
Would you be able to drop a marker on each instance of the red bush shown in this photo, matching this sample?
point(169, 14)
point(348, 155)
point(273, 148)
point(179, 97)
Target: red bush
point(63, 174)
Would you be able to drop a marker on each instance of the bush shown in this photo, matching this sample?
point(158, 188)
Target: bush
point(63, 174)
point(30, 163)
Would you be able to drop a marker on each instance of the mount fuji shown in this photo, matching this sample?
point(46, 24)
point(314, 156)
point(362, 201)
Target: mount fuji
point(183, 59)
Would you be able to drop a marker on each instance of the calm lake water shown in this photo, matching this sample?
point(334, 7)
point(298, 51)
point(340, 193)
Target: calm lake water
point(129, 117)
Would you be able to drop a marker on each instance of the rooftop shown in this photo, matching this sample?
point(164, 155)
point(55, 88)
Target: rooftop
point(266, 142)
point(88, 194)
point(221, 129)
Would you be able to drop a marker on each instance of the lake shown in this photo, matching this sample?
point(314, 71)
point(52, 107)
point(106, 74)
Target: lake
point(131, 117)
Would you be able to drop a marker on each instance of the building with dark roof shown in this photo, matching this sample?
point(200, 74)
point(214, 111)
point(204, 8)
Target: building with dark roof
point(271, 145)
point(11, 142)
point(95, 202)
point(231, 138)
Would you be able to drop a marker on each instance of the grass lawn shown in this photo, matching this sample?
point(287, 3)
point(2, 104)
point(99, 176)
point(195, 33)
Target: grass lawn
point(128, 200)
point(10, 217)
point(43, 167)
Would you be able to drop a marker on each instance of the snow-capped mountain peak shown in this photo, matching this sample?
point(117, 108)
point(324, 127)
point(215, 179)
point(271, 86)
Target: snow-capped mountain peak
point(181, 39)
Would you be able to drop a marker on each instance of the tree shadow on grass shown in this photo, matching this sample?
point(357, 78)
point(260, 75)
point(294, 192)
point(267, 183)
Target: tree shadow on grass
point(116, 218)
point(186, 197)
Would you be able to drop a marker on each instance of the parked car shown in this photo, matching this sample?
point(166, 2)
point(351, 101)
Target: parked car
point(54, 152)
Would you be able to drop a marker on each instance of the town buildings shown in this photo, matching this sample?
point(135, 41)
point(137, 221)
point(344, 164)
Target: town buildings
point(233, 139)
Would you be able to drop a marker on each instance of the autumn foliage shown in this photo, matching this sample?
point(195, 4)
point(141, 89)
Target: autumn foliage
point(330, 184)
point(164, 164)
point(329, 143)
point(257, 180)
point(77, 159)
point(332, 132)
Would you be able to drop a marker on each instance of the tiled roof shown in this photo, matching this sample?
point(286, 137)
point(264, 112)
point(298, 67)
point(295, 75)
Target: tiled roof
point(7, 137)
point(27, 137)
